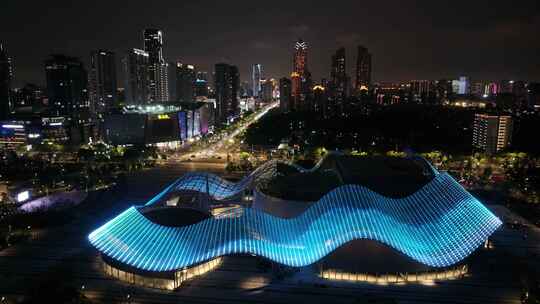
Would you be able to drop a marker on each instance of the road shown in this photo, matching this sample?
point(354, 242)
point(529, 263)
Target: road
point(221, 148)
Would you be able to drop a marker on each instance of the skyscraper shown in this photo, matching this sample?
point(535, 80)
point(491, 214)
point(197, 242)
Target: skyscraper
point(136, 81)
point(256, 77)
point(157, 68)
point(492, 133)
point(285, 86)
point(227, 82)
point(533, 94)
point(66, 85)
point(363, 69)
point(267, 89)
point(153, 45)
point(102, 84)
point(182, 78)
point(201, 85)
point(461, 86)
point(338, 75)
point(30, 95)
point(6, 74)
point(421, 90)
point(300, 71)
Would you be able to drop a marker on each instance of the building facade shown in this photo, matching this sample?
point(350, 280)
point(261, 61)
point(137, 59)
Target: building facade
point(363, 69)
point(136, 81)
point(267, 90)
point(338, 75)
point(300, 72)
point(256, 77)
point(227, 82)
point(285, 94)
point(6, 75)
point(492, 133)
point(157, 68)
point(66, 86)
point(102, 85)
point(182, 80)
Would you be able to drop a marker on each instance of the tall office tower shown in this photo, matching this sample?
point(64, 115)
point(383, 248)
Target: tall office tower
point(300, 70)
point(29, 96)
point(182, 79)
point(201, 85)
point(533, 95)
point(338, 75)
point(492, 133)
point(6, 74)
point(157, 68)
point(256, 77)
point(227, 82)
point(478, 88)
point(67, 82)
point(162, 83)
point(136, 81)
point(246, 89)
point(267, 89)
point(420, 89)
point(285, 94)
point(102, 84)
point(202, 75)
point(320, 100)
point(493, 88)
point(519, 90)
point(462, 86)
point(443, 89)
point(153, 45)
point(363, 69)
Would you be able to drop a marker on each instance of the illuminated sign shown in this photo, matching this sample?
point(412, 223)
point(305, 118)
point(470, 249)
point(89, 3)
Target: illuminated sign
point(13, 126)
point(163, 116)
point(23, 196)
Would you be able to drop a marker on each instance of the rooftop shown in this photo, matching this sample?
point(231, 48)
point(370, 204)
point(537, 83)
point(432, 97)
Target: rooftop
point(389, 176)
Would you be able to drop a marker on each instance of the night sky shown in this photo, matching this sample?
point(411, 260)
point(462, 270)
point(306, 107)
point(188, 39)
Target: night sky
point(408, 39)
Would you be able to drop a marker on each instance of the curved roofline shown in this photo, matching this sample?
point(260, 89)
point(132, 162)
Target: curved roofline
point(220, 189)
point(439, 225)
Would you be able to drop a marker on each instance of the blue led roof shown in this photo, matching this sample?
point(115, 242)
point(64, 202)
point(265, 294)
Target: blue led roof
point(439, 225)
point(221, 189)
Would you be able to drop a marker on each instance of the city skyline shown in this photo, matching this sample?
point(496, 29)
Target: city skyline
point(406, 44)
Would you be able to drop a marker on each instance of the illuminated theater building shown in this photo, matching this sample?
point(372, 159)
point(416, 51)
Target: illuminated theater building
point(161, 125)
point(429, 227)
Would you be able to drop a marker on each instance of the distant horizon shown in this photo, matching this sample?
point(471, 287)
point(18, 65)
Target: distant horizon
point(422, 40)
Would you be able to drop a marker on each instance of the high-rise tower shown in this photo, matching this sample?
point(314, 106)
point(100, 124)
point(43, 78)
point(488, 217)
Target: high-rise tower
point(6, 74)
point(256, 77)
point(338, 75)
point(67, 82)
point(227, 81)
point(153, 45)
point(363, 69)
point(300, 71)
point(102, 80)
point(157, 68)
point(136, 81)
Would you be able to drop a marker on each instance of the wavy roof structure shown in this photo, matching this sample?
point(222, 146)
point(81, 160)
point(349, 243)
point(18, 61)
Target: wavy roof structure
point(439, 225)
point(221, 189)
